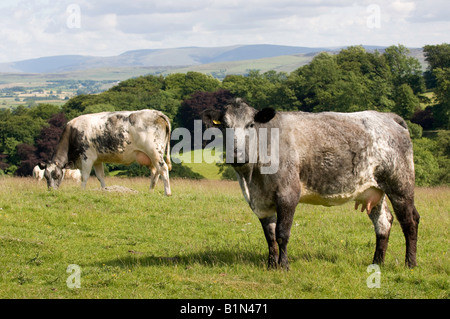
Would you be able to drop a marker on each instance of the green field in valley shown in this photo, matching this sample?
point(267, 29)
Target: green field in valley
point(202, 242)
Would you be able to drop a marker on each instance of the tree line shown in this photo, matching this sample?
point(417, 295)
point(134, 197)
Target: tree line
point(352, 80)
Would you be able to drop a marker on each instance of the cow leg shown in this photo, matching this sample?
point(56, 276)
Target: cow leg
point(164, 172)
point(269, 226)
point(154, 177)
point(86, 167)
point(100, 173)
point(382, 221)
point(409, 218)
point(285, 216)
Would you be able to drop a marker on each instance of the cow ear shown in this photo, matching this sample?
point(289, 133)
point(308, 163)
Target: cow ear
point(265, 115)
point(211, 117)
point(42, 165)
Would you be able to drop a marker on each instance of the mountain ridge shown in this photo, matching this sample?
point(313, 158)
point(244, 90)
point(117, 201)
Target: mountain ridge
point(171, 57)
point(184, 56)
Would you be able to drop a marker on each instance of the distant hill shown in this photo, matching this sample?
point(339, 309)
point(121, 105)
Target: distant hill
point(217, 61)
point(155, 58)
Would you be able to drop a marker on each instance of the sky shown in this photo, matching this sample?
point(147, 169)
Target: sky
point(37, 28)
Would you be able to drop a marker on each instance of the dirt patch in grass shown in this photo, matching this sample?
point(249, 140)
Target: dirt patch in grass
point(118, 189)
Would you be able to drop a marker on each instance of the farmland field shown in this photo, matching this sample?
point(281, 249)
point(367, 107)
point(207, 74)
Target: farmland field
point(203, 242)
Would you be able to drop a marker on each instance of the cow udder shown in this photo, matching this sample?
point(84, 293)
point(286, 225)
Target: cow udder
point(143, 159)
point(370, 198)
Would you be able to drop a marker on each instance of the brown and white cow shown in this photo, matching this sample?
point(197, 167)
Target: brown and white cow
point(113, 137)
point(326, 159)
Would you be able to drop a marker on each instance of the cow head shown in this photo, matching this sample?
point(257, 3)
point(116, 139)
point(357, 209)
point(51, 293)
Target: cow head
point(243, 121)
point(53, 173)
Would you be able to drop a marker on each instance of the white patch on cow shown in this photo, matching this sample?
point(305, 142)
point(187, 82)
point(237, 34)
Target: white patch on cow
point(244, 188)
point(381, 218)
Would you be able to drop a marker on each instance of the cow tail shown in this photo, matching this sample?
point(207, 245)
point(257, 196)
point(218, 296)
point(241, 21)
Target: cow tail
point(167, 159)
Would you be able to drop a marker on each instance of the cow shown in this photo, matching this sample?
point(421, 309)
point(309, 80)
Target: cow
point(38, 173)
point(73, 174)
point(325, 159)
point(113, 137)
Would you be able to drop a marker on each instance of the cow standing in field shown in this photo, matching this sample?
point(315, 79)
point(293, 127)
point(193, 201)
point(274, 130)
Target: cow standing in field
point(326, 159)
point(113, 137)
point(38, 173)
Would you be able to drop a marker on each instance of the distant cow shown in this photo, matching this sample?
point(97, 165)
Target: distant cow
point(38, 173)
point(113, 137)
point(327, 159)
point(73, 174)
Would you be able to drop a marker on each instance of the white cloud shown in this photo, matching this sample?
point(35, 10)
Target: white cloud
point(37, 28)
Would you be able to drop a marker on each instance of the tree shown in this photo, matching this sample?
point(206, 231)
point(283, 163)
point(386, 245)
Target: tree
point(353, 80)
point(406, 103)
point(442, 91)
point(97, 108)
point(30, 155)
point(404, 69)
point(3, 164)
point(309, 81)
point(192, 107)
point(49, 137)
point(28, 159)
point(186, 84)
point(44, 111)
point(437, 56)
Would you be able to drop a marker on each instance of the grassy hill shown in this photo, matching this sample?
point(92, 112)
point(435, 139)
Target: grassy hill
point(285, 63)
point(154, 58)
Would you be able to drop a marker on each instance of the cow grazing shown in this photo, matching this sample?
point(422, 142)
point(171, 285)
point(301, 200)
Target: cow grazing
point(73, 174)
point(327, 159)
point(38, 173)
point(113, 137)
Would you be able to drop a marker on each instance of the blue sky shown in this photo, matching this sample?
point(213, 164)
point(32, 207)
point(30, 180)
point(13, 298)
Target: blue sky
point(36, 28)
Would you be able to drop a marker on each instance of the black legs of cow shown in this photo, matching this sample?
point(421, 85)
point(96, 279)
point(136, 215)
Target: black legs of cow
point(269, 226)
point(409, 218)
point(277, 229)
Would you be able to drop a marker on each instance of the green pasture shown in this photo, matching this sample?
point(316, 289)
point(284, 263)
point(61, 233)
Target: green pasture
point(202, 242)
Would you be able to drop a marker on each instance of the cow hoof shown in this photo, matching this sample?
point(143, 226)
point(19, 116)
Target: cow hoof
point(284, 265)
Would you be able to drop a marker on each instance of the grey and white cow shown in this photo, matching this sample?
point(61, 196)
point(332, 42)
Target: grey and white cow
point(113, 137)
point(327, 159)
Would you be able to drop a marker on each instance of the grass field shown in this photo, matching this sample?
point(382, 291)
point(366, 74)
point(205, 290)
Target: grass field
point(203, 242)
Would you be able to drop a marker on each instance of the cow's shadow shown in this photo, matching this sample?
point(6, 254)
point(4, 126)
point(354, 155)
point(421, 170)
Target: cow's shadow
point(204, 258)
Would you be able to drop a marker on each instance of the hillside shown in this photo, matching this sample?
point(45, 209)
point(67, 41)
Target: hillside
point(154, 58)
